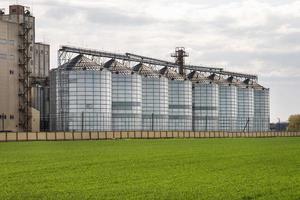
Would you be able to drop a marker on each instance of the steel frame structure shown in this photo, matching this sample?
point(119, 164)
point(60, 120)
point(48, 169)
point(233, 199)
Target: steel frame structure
point(24, 73)
point(65, 53)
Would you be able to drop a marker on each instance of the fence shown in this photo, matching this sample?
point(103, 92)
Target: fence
point(87, 121)
point(110, 135)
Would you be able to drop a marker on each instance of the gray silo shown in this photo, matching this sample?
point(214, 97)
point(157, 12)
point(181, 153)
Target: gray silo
point(80, 96)
point(155, 99)
point(261, 108)
point(245, 106)
point(180, 101)
point(205, 102)
point(228, 105)
point(126, 97)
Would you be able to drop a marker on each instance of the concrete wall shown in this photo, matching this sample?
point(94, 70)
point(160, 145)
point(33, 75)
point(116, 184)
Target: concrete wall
point(10, 42)
point(9, 71)
point(41, 60)
point(110, 135)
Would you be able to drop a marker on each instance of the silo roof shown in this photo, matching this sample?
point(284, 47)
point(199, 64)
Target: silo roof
point(228, 81)
point(145, 70)
point(171, 74)
point(257, 86)
point(245, 84)
point(81, 62)
point(196, 77)
point(117, 67)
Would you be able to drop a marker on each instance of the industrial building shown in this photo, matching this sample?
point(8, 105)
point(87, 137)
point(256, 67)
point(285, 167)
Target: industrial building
point(24, 68)
point(142, 93)
point(94, 90)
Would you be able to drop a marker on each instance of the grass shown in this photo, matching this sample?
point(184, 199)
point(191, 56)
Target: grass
point(242, 169)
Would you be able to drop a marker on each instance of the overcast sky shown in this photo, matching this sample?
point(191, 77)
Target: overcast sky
point(260, 37)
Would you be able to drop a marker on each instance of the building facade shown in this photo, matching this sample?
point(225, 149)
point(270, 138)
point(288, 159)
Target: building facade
point(18, 71)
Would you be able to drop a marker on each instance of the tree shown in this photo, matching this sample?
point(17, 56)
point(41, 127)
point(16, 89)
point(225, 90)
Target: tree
point(294, 123)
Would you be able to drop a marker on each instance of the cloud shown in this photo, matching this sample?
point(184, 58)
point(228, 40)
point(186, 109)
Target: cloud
point(260, 37)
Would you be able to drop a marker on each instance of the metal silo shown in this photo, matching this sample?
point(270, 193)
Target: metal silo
point(227, 105)
point(126, 97)
point(180, 101)
point(205, 102)
point(261, 108)
point(245, 106)
point(155, 99)
point(80, 96)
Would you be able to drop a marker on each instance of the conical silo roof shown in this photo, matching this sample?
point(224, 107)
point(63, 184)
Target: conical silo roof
point(257, 86)
point(145, 70)
point(81, 62)
point(117, 67)
point(245, 84)
point(171, 74)
point(196, 77)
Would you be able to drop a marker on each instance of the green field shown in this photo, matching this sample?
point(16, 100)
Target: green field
point(152, 169)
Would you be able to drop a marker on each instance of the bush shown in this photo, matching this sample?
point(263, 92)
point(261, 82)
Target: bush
point(294, 123)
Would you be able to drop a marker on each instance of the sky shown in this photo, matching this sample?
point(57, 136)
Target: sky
point(248, 36)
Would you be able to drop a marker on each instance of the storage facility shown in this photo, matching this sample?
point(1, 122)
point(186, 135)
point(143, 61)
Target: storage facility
point(180, 101)
point(155, 98)
point(93, 90)
point(126, 97)
point(24, 68)
point(80, 94)
point(154, 95)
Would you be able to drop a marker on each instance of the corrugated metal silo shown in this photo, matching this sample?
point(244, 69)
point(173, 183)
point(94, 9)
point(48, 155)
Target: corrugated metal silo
point(180, 101)
point(245, 106)
point(80, 96)
point(205, 102)
point(126, 97)
point(261, 108)
point(155, 98)
point(228, 105)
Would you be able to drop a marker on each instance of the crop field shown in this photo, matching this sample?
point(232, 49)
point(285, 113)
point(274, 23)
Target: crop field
point(242, 169)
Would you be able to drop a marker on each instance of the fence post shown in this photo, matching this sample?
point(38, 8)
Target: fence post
point(73, 135)
point(64, 135)
point(37, 136)
point(46, 136)
point(5, 136)
point(98, 135)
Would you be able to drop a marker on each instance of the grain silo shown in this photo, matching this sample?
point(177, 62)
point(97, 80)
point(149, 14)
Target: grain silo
point(205, 102)
point(155, 98)
point(261, 108)
point(245, 99)
point(180, 100)
point(227, 104)
point(80, 96)
point(126, 97)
